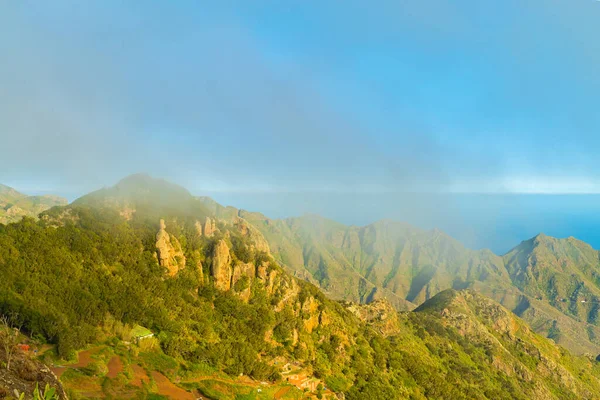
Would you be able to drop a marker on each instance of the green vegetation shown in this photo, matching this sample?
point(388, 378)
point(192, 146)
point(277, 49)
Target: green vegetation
point(15, 205)
point(554, 284)
point(88, 274)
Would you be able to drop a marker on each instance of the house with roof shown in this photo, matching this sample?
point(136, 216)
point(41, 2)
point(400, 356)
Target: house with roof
point(139, 333)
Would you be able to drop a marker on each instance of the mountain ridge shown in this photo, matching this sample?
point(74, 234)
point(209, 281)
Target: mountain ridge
point(203, 278)
point(15, 205)
point(552, 283)
point(408, 265)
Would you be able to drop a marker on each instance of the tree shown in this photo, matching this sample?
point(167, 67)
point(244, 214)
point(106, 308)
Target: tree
point(9, 337)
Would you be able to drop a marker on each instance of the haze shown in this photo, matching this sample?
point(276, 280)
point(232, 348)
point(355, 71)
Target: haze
point(357, 112)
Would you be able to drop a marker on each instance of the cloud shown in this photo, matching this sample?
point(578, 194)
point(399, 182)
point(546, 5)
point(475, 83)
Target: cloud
point(464, 96)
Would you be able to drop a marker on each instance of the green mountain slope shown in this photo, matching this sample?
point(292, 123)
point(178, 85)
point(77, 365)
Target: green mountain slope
point(388, 258)
point(561, 281)
point(552, 283)
point(203, 280)
point(15, 205)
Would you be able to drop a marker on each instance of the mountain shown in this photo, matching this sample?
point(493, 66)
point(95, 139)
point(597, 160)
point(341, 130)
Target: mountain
point(149, 196)
point(15, 205)
point(552, 283)
point(558, 275)
point(510, 345)
point(224, 314)
point(403, 263)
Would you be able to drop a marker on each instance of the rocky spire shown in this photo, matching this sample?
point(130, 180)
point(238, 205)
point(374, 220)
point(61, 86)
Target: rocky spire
point(209, 227)
point(221, 266)
point(169, 251)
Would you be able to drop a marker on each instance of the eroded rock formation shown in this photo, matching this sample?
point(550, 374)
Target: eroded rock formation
point(209, 227)
point(256, 239)
point(168, 251)
point(221, 266)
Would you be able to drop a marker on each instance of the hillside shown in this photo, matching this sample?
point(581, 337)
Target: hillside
point(223, 310)
point(385, 259)
point(25, 375)
point(401, 263)
point(552, 283)
point(15, 205)
point(396, 261)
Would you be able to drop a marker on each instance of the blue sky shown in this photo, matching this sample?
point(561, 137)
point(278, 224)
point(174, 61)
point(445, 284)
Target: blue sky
point(302, 96)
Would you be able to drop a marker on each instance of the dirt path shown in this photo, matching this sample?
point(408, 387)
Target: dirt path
point(169, 389)
point(114, 367)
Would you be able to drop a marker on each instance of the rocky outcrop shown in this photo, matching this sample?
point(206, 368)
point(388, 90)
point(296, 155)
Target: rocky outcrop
point(221, 266)
point(310, 311)
point(209, 227)
point(256, 239)
point(168, 251)
point(380, 314)
point(127, 212)
point(200, 272)
point(241, 279)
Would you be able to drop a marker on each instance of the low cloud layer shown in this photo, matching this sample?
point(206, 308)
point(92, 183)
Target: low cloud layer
point(408, 96)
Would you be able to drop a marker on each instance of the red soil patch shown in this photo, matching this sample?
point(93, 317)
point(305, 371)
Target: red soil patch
point(84, 358)
point(114, 367)
point(58, 371)
point(168, 388)
point(139, 376)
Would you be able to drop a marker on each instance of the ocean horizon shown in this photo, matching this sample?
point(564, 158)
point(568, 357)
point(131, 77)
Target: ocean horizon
point(497, 222)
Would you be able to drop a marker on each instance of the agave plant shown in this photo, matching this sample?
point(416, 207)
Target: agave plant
point(48, 393)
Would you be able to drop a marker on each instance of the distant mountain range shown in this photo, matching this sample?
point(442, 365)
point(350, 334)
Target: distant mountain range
point(554, 284)
point(15, 205)
point(229, 287)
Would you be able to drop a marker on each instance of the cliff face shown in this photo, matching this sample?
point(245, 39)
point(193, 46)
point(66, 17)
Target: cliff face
point(168, 250)
point(253, 235)
point(209, 227)
point(380, 314)
point(221, 266)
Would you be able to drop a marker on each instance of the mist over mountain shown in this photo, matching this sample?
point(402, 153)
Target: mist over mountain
point(339, 201)
point(228, 293)
point(493, 221)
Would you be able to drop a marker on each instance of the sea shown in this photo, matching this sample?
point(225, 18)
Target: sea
point(495, 221)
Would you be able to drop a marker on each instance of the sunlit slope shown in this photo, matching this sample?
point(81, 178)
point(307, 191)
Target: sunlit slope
point(15, 205)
